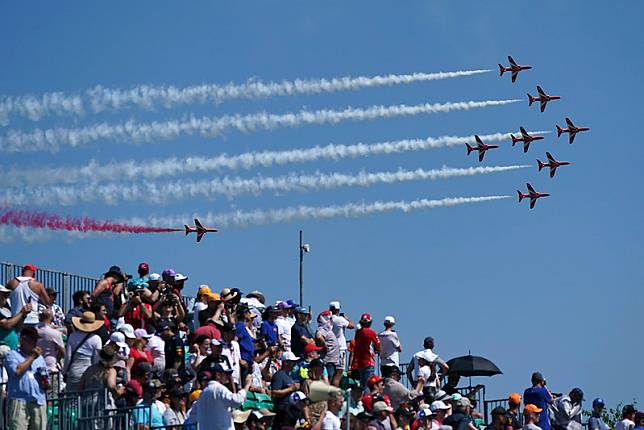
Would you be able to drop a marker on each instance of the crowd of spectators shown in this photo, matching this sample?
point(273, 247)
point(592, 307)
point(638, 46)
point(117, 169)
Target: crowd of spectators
point(139, 339)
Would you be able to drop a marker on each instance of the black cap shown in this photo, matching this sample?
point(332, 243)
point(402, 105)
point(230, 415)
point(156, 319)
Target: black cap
point(577, 392)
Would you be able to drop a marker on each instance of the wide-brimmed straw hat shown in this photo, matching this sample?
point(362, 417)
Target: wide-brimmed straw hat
point(87, 322)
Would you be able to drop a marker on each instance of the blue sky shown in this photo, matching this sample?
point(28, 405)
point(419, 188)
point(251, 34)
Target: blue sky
point(557, 289)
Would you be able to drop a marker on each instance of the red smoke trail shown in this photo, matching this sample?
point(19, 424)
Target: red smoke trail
point(22, 218)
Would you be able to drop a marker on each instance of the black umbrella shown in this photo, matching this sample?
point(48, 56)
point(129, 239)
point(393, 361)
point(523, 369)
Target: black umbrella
point(472, 365)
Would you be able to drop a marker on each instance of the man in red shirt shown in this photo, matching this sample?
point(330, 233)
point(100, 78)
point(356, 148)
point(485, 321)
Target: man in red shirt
point(365, 349)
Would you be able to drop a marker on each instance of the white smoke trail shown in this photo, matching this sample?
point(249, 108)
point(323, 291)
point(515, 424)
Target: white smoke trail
point(147, 96)
point(274, 216)
point(95, 172)
point(152, 192)
point(52, 139)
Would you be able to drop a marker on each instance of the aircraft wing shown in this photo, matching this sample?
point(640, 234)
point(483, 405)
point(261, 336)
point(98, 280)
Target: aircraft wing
point(530, 188)
point(515, 73)
point(569, 122)
point(540, 91)
point(543, 105)
point(198, 224)
point(478, 140)
point(550, 157)
point(526, 146)
point(481, 155)
point(200, 235)
point(523, 132)
point(533, 202)
point(571, 136)
point(553, 169)
point(511, 60)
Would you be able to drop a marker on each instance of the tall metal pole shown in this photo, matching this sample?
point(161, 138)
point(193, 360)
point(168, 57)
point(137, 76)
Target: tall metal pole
point(301, 264)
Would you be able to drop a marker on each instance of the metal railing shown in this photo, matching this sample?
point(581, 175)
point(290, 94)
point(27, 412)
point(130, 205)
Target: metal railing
point(65, 284)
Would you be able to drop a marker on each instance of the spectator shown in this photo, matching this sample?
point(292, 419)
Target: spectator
point(169, 310)
point(301, 371)
point(316, 372)
point(151, 413)
point(282, 386)
point(260, 420)
point(139, 352)
point(108, 288)
point(300, 334)
point(201, 304)
point(175, 414)
point(156, 345)
point(440, 411)
point(377, 393)
point(122, 351)
point(10, 324)
point(460, 419)
point(433, 358)
point(99, 376)
point(397, 392)
point(135, 312)
point(532, 415)
point(366, 341)
point(328, 340)
point(82, 302)
point(596, 421)
point(297, 415)
point(200, 350)
point(499, 419)
point(82, 348)
point(50, 341)
point(141, 375)
point(214, 310)
point(284, 325)
point(28, 382)
point(340, 323)
point(383, 417)
point(231, 350)
point(26, 289)
point(514, 402)
point(268, 330)
point(331, 421)
point(216, 400)
point(539, 396)
point(209, 329)
point(246, 338)
point(453, 379)
point(390, 345)
point(57, 311)
point(144, 271)
point(639, 420)
point(173, 346)
point(626, 423)
point(101, 315)
point(424, 418)
point(567, 410)
point(426, 378)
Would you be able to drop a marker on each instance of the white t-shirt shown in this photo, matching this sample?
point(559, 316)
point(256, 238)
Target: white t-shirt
point(414, 372)
point(425, 372)
point(339, 324)
point(330, 422)
point(389, 345)
point(89, 348)
point(625, 424)
point(156, 346)
point(198, 307)
point(284, 331)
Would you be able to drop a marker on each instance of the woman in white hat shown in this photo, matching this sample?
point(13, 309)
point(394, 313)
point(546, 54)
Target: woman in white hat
point(83, 346)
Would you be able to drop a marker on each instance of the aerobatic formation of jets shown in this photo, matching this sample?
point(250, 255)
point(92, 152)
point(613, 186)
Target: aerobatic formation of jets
point(527, 138)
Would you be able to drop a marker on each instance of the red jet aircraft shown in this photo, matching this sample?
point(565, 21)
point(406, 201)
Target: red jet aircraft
point(543, 98)
point(571, 130)
point(480, 147)
point(532, 194)
point(552, 163)
point(525, 138)
point(514, 68)
point(199, 229)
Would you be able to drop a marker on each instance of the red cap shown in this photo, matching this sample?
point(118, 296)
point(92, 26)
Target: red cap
point(310, 348)
point(30, 266)
point(373, 380)
point(365, 317)
point(325, 313)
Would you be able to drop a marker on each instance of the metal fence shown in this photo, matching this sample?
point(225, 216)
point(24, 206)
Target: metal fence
point(65, 284)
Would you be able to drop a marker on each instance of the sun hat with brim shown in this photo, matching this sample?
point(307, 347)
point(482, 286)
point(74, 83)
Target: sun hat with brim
point(87, 322)
point(227, 294)
point(263, 413)
point(258, 295)
point(240, 417)
point(4, 289)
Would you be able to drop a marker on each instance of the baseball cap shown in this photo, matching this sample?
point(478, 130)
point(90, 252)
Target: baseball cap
point(127, 330)
point(141, 332)
point(463, 402)
point(215, 342)
point(50, 291)
point(599, 402)
point(577, 392)
point(291, 303)
point(365, 317)
point(144, 367)
point(214, 297)
point(30, 266)
point(168, 273)
point(178, 277)
point(422, 413)
point(301, 310)
point(334, 305)
point(389, 319)
point(289, 356)
point(154, 277)
point(381, 406)
point(373, 380)
point(531, 409)
point(204, 289)
point(438, 405)
point(297, 396)
point(515, 398)
point(310, 348)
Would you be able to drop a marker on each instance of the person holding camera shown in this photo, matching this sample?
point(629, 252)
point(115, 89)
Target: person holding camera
point(135, 312)
point(169, 309)
point(108, 288)
point(567, 411)
point(541, 397)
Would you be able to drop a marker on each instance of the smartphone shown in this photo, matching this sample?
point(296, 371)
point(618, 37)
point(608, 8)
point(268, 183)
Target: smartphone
point(29, 299)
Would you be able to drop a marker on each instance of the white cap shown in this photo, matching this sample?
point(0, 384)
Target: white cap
point(289, 356)
point(424, 413)
point(180, 277)
point(438, 405)
point(215, 342)
point(127, 330)
point(297, 396)
point(334, 305)
point(390, 319)
point(4, 289)
point(154, 277)
point(118, 338)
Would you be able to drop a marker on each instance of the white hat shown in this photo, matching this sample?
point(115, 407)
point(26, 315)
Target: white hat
point(180, 277)
point(297, 396)
point(4, 289)
point(127, 330)
point(119, 339)
point(154, 277)
point(289, 356)
point(438, 405)
point(381, 406)
point(334, 305)
point(215, 342)
point(389, 319)
point(424, 413)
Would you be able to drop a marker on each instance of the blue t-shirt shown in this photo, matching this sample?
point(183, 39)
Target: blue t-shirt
point(298, 331)
point(268, 330)
point(540, 397)
point(26, 386)
point(246, 342)
point(279, 381)
point(151, 414)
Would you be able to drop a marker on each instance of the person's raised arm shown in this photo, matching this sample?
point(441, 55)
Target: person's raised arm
point(20, 368)
point(16, 320)
point(100, 287)
point(39, 289)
